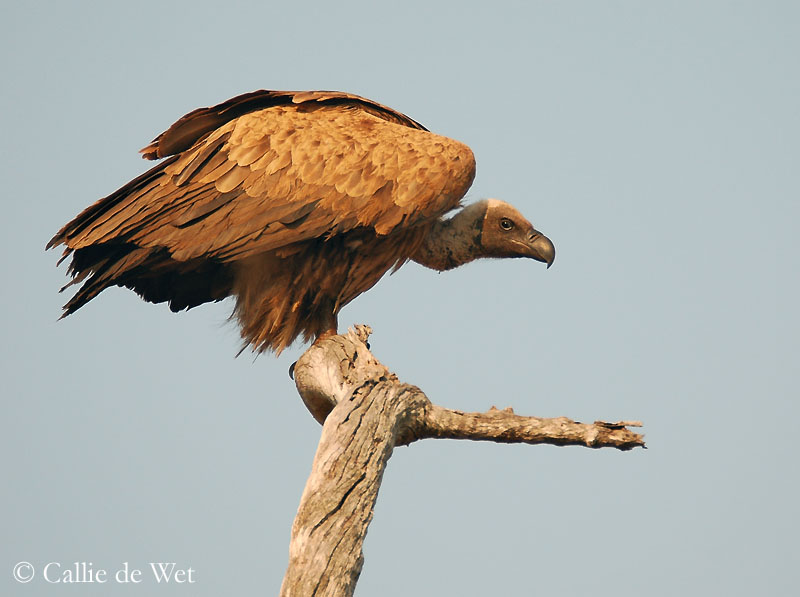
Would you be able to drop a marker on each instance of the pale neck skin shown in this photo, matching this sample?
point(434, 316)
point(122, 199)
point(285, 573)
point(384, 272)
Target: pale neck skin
point(455, 241)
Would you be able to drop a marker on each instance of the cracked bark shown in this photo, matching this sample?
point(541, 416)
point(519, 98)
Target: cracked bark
point(366, 411)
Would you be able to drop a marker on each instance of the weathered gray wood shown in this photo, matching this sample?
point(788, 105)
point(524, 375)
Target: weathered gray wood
point(366, 411)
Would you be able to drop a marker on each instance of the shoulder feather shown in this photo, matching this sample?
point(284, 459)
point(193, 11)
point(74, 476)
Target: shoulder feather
point(196, 124)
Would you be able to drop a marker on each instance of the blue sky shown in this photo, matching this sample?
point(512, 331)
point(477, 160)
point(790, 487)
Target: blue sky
point(656, 144)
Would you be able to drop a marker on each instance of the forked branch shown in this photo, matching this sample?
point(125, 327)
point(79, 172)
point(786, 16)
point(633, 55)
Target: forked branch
point(366, 411)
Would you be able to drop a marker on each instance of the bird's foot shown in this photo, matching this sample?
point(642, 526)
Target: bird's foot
point(326, 334)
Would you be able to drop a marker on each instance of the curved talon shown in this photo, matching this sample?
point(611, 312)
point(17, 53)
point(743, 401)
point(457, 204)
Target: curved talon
point(291, 370)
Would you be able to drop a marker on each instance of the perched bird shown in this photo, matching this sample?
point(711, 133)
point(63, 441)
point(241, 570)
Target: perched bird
point(293, 202)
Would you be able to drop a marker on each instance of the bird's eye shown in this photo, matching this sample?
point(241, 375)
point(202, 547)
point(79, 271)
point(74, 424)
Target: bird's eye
point(506, 224)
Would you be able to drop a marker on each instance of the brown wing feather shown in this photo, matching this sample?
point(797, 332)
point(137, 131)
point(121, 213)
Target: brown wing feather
point(247, 179)
point(350, 167)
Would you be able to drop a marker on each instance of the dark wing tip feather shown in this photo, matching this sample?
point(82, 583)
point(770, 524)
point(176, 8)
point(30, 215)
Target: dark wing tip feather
point(59, 238)
point(53, 242)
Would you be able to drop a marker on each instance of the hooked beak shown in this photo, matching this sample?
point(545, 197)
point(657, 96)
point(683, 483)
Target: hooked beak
point(541, 248)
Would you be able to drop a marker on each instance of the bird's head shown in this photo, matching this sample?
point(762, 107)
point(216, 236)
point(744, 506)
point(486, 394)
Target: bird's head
point(506, 233)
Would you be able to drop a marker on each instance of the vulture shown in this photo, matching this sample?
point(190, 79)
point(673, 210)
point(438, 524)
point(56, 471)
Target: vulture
point(293, 202)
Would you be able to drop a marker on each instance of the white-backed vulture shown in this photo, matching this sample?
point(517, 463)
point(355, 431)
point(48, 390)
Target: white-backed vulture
point(293, 202)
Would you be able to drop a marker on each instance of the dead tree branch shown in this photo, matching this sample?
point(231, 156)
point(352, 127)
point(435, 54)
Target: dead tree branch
point(366, 411)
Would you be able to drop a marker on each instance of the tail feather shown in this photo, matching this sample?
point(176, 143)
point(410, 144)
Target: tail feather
point(151, 273)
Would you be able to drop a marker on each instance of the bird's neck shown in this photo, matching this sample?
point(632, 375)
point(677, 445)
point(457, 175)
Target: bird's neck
point(455, 241)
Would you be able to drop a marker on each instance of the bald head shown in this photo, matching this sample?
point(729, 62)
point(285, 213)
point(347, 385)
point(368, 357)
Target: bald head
point(488, 228)
point(506, 233)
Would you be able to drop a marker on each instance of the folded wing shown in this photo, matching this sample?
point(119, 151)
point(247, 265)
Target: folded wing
point(266, 171)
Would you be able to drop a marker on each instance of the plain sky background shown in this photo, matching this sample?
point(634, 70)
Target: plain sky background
point(655, 143)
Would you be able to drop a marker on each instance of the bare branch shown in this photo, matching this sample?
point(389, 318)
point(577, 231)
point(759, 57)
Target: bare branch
point(366, 411)
point(506, 427)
